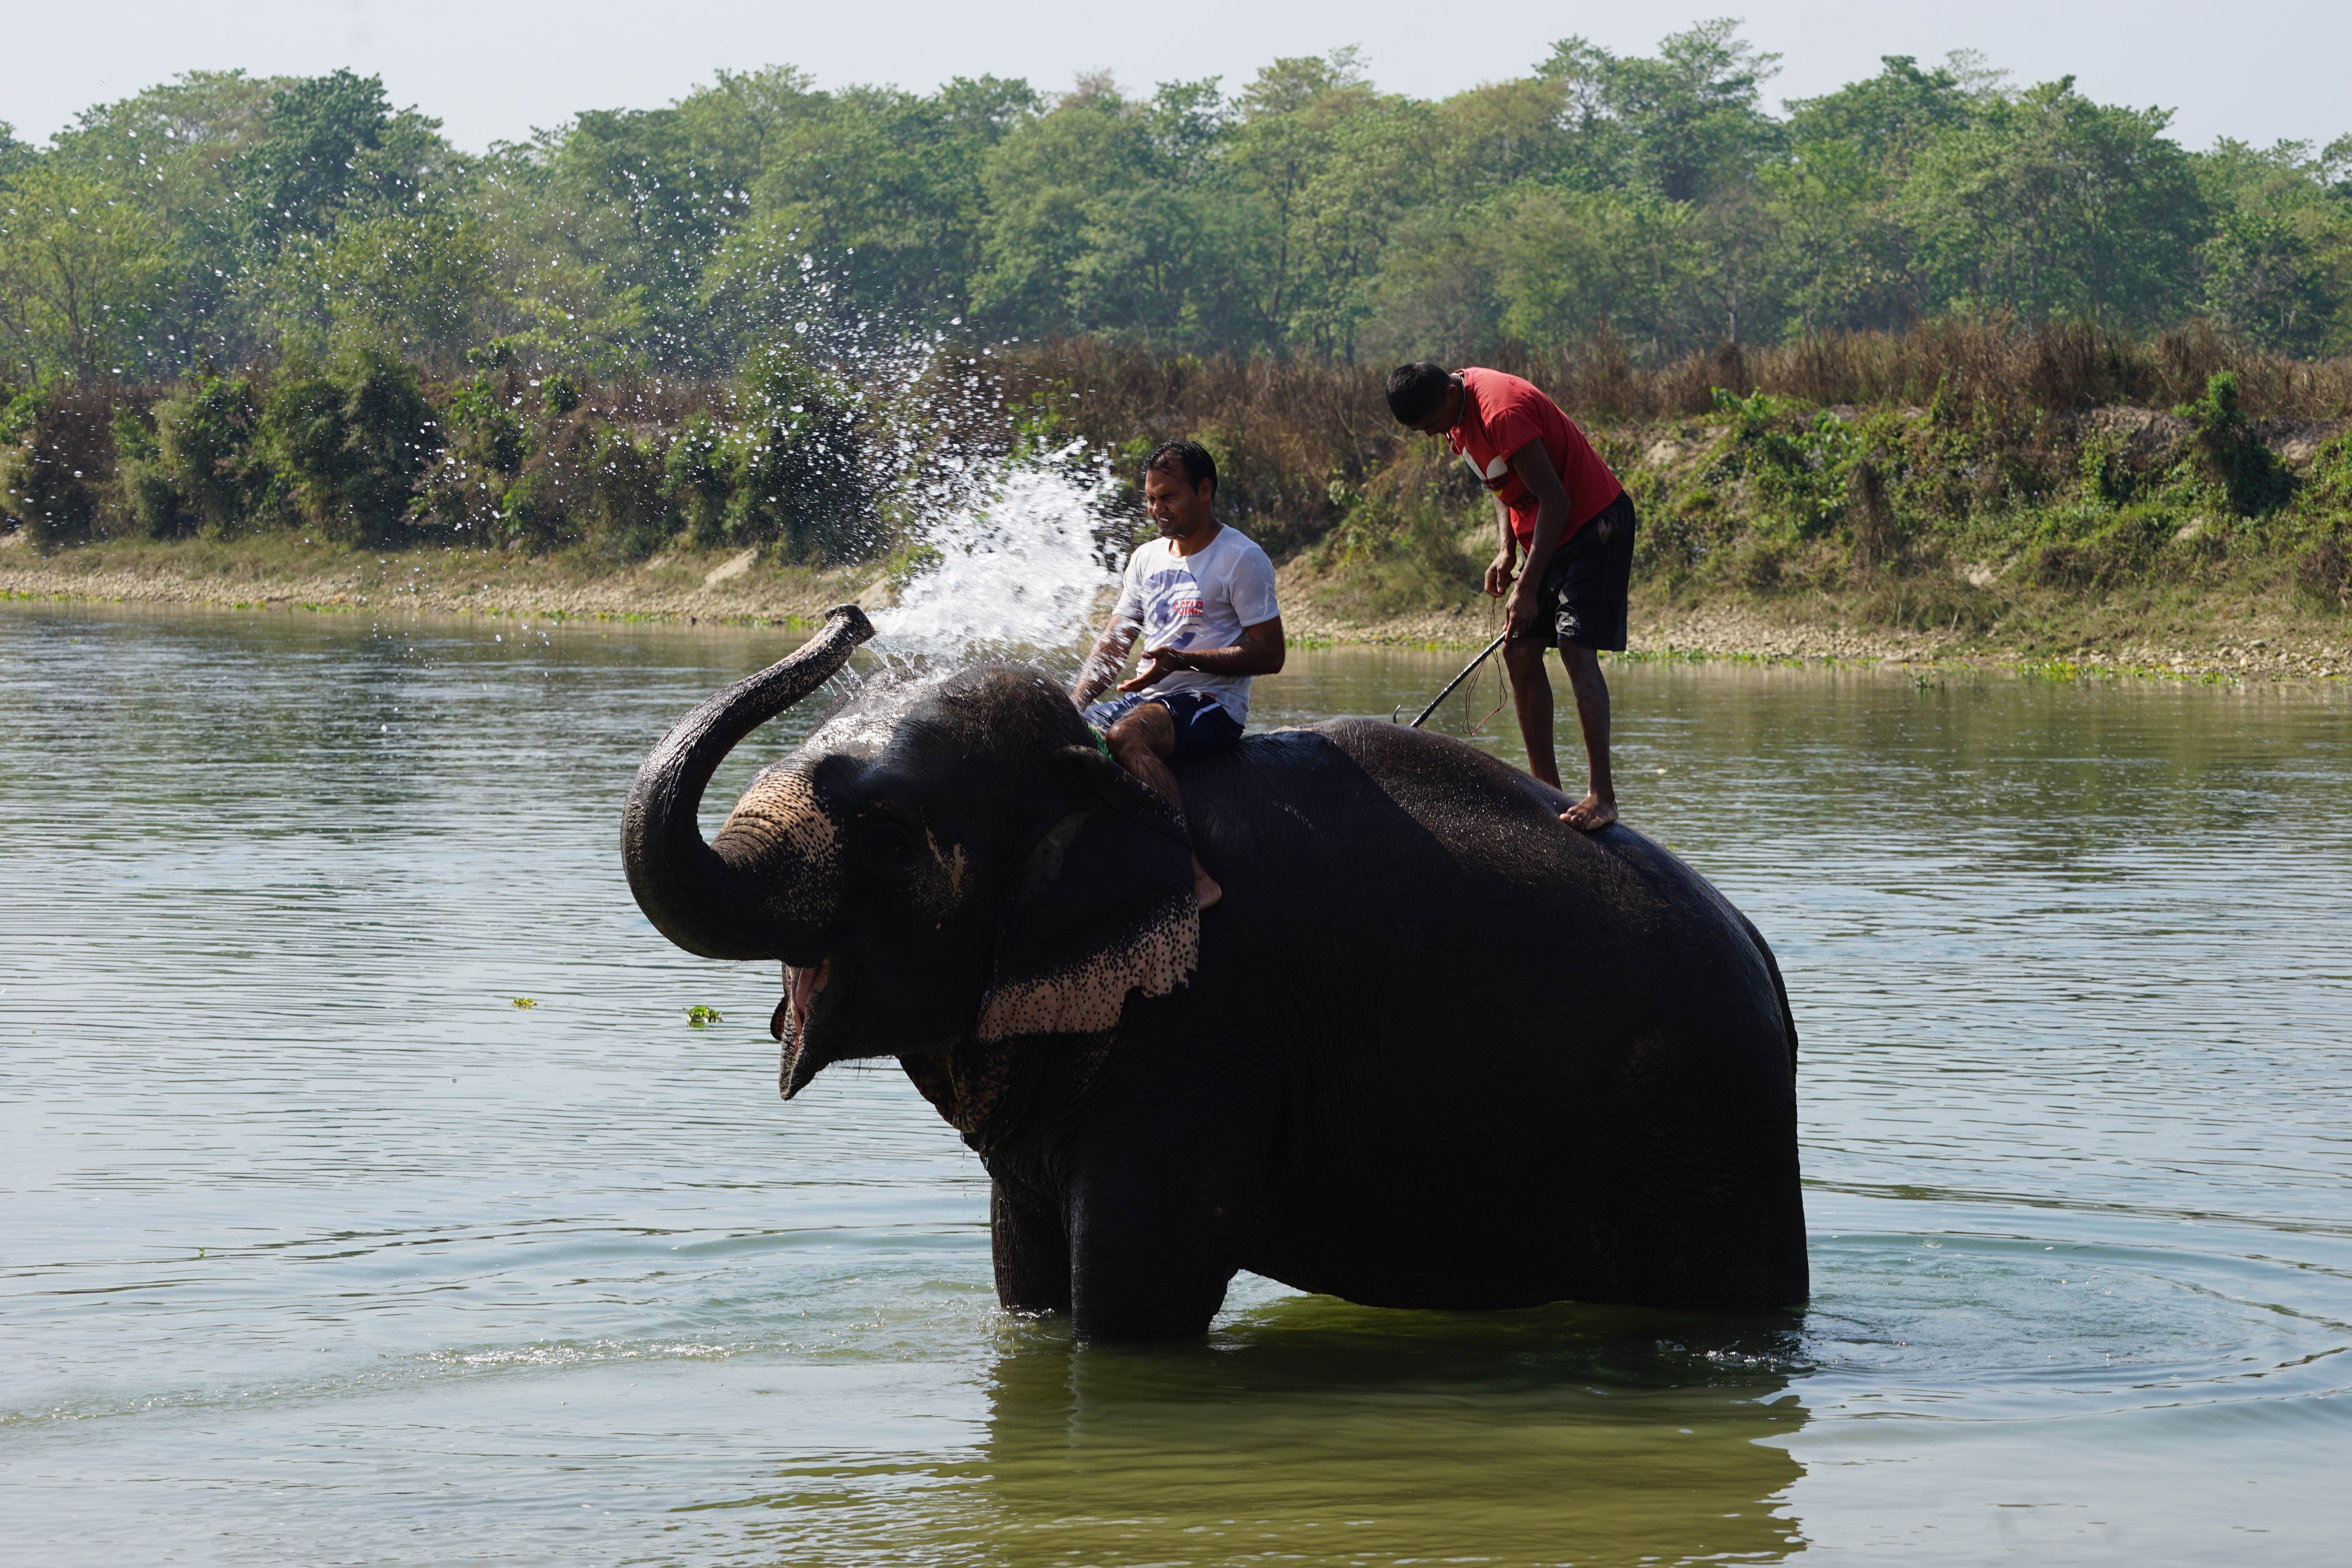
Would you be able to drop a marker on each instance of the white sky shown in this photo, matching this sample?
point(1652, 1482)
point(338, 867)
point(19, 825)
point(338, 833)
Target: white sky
point(2257, 69)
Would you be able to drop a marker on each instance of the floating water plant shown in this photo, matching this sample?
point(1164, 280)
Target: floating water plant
point(702, 1018)
point(526, 1002)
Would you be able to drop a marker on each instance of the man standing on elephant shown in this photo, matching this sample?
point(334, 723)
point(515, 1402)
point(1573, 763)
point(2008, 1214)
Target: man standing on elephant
point(1557, 501)
point(1202, 597)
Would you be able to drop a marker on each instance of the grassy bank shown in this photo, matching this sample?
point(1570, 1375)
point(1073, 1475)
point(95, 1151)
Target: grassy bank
point(1950, 493)
point(2199, 631)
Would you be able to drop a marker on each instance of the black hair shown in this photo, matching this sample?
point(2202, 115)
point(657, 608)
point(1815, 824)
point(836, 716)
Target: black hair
point(1189, 458)
point(1415, 389)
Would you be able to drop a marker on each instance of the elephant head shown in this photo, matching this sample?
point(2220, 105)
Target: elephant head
point(945, 861)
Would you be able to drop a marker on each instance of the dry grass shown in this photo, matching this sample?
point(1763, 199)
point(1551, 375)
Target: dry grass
point(2058, 369)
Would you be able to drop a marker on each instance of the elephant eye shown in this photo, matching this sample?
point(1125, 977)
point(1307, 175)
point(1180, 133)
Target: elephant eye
point(892, 848)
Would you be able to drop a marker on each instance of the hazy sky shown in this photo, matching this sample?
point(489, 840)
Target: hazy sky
point(2258, 69)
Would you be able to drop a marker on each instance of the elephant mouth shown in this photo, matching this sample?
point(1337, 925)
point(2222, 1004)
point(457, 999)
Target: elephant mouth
point(790, 1025)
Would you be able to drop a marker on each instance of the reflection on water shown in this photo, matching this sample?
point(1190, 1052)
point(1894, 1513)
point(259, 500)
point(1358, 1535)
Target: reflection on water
point(316, 1247)
point(1312, 1430)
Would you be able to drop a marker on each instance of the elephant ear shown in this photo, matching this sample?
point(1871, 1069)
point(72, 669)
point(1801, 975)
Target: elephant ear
point(1102, 907)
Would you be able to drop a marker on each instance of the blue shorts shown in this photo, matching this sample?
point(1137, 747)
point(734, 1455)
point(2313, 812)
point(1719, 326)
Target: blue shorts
point(1203, 725)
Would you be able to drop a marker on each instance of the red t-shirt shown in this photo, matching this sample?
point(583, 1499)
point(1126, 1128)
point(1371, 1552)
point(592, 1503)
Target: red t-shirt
point(1501, 414)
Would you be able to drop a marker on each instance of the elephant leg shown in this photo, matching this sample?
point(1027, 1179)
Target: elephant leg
point(1032, 1255)
point(1162, 1207)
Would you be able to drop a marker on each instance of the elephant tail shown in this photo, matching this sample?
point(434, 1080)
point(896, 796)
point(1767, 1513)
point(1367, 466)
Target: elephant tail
point(1772, 967)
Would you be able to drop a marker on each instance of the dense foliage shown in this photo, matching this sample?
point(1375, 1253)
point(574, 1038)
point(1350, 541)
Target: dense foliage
point(1928, 331)
point(1953, 476)
point(221, 219)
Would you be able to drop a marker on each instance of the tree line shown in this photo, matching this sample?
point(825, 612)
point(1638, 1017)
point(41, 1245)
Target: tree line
point(1654, 202)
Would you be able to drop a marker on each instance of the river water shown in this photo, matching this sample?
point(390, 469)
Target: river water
point(319, 1249)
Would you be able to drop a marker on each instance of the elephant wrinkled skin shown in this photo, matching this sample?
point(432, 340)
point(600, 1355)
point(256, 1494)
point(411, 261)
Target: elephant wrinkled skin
point(1434, 1050)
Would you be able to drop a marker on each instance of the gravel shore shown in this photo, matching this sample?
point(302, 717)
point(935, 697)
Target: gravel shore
point(2230, 641)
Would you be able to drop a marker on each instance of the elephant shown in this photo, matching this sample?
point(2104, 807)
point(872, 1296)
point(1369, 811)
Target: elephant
point(1434, 1050)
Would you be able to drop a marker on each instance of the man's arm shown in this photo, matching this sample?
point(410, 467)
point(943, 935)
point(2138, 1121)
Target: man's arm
point(1533, 466)
point(1260, 652)
point(1507, 555)
point(1109, 656)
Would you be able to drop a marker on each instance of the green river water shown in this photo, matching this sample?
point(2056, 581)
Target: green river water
point(315, 1248)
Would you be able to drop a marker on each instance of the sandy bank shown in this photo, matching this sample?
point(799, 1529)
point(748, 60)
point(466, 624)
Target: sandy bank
point(2218, 639)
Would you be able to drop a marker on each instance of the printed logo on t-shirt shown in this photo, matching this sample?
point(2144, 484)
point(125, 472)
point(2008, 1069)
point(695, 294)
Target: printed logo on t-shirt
point(1170, 599)
point(1493, 474)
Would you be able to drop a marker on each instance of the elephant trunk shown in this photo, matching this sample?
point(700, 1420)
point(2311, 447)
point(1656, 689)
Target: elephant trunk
point(697, 895)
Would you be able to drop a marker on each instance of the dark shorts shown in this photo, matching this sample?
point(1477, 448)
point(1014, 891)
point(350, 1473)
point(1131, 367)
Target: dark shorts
point(1203, 725)
point(1582, 599)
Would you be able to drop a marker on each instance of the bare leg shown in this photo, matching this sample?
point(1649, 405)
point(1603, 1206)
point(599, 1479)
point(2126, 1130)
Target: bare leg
point(1599, 806)
point(1531, 695)
point(1142, 742)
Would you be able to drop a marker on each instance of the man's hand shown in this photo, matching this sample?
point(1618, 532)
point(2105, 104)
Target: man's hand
point(1159, 663)
point(1520, 609)
point(1103, 665)
point(1498, 573)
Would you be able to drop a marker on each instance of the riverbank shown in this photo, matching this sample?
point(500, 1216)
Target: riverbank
point(2235, 633)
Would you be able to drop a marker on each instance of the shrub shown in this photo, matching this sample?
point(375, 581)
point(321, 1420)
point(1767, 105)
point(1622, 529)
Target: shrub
point(154, 502)
point(559, 394)
point(1869, 518)
point(209, 451)
point(1801, 475)
point(49, 476)
point(798, 467)
point(355, 441)
point(2231, 454)
point(1401, 538)
point(484, 446)
point(2118, 552)
point(697, 476)
point(628, 514)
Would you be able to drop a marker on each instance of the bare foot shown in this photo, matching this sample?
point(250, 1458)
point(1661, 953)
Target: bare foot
point(1592, 813)
point(1205, 890)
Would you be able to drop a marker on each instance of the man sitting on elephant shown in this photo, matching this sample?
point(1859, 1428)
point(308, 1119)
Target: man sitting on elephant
point(1202, 597)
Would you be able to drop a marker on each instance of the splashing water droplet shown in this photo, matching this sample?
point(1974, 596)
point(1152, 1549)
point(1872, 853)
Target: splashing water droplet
point(1018, 573)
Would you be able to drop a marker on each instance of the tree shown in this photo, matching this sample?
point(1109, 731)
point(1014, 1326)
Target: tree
point(1568, 264)
point(82, 271)
point(636, 203)
point(1162, 254)
point(1044, 187)
point(1682, 125)
point(415, 285)
point(333, 146)
point(2277, 271)
point(2052, 207)
point(1328, 166)
point(1847, 256)
point(885, 190)
point(176, 151)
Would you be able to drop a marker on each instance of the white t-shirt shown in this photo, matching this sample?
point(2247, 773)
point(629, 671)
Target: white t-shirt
point(1203, 600)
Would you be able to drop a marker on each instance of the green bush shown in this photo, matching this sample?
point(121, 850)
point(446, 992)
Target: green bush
point(149, 495)
point(2323, 574)
point(1401, 538)
point(2229, 453)
point(1799, 475)
point(49, 476)
point(697, 476)
point(210, 453)
point(484, 446)
point(799, 466)
point(2121, 551)
point(628, 515)
point(355, 441)
point(559, 394)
